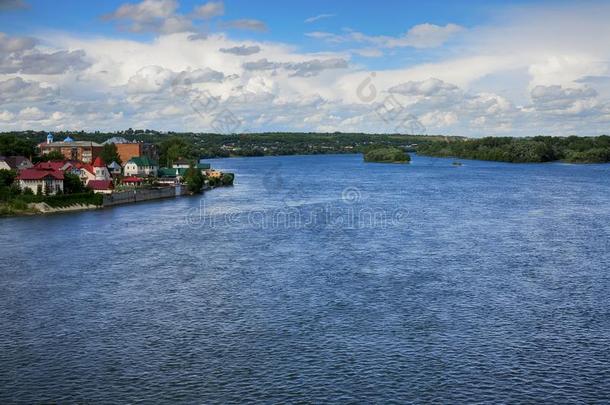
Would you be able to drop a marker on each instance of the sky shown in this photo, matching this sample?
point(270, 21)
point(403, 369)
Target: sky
point(469, 68)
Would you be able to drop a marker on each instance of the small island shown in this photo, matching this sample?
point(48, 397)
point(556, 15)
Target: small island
point(386, 155)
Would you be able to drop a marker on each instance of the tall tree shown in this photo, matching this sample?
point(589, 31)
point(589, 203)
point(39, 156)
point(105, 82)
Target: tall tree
point(110, 153)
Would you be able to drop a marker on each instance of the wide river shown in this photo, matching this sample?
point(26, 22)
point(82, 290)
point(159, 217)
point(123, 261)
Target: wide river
point(319, 279)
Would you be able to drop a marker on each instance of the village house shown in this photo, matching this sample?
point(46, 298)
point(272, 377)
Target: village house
point(130, 149)
point(100, 170)
point(101, 186)
point(114, 168)
point(141, 166)
point(181, 164)
point(132, 181)
point(47, 181)
point(15, 163)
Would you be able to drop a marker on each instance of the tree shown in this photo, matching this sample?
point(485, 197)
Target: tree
point(110, 153)
point(11, 145)
point(227, 179)
point(194, 180)
point(7, 177)
point(53, 155)
point(72, 184)
point(174, 148)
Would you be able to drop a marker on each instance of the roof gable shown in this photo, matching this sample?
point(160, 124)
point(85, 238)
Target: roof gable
point(142, 161)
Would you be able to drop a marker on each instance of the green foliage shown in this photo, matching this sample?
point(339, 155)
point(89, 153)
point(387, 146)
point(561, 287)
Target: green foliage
point(73, 184)
point(7, 177)
point(109, 153)
point(194, 180)
point(16, 145)
point(174, 148)
point(525, 150)
point(227, 179)
point(386, 155)
point(49, 157)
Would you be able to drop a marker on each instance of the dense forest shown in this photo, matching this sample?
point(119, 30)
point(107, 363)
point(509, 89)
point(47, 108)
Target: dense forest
point(571, 149)
point(173, 145)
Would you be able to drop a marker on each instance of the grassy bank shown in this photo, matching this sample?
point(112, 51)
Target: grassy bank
point(19, 204)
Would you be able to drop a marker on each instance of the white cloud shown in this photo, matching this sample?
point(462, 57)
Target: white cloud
point(242, 50)
point(464, 88)
point(151, 16)
point(31, 114)
point(246, 24)
point(17, 89)
point(318, 17)
point(210, 10)
point(419, 36)
point(6, 116)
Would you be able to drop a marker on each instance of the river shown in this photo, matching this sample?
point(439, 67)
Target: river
point(319, 279)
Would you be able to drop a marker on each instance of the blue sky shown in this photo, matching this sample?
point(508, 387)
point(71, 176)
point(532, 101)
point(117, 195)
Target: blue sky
point(462, 67)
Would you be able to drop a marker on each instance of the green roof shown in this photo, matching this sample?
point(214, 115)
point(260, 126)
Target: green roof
point(143, 161)
point(203, 166)
point(171, 172)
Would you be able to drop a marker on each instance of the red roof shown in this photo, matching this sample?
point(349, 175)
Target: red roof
point(99, 162)
point(38, 174)
point(84, 166)
point(100, 184)
point(52, 165)
point(132, 179)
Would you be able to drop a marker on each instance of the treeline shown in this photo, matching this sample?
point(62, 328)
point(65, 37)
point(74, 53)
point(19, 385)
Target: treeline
point(189, 145)
point(538, 149)
point(174, 145)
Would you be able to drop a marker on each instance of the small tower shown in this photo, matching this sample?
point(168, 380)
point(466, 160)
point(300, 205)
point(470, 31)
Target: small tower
point(49, 138)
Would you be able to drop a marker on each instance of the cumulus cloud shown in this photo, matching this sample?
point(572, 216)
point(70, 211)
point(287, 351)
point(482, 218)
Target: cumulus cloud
point(20, 55)
point(15, 44)
point(151, 16)
point(31, 114)
point(17, 89)
point(304, 69)
point(520, 76)
point(242, 50)
point(246, 24)
point(155, 79)
point(210, 10)
point(429, 87)
point(557, 98)
point(419, 36)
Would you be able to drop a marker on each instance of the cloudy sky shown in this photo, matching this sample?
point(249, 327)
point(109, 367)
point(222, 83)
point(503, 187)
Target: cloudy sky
point(472, 68)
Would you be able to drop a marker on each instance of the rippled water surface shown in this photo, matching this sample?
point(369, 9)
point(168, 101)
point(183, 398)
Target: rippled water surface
point(319, 279)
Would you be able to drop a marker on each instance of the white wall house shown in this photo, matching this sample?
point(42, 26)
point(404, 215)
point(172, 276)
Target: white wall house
point(51, 181)
point(141, 166)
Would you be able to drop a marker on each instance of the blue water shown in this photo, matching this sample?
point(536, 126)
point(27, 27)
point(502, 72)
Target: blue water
point(319, 279)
